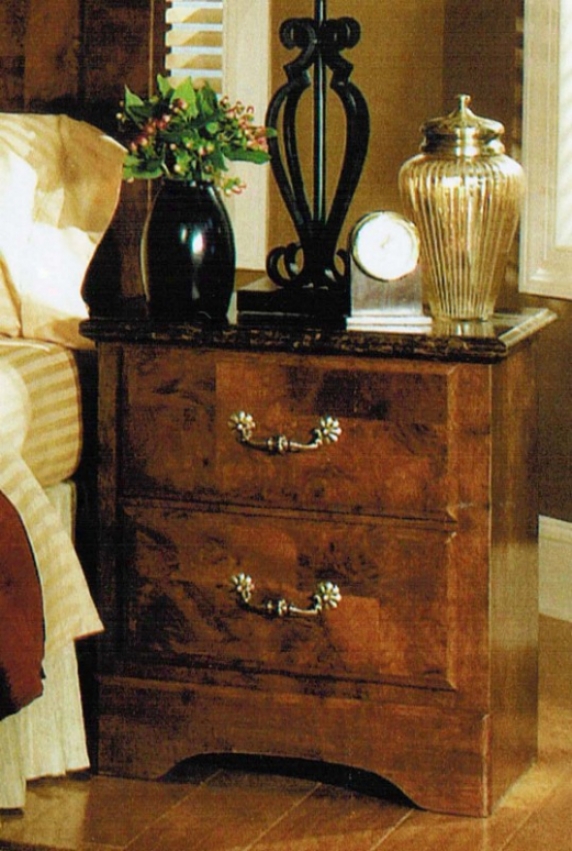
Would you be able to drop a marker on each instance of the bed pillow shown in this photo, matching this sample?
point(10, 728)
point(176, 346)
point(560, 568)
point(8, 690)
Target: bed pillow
point(60, 181)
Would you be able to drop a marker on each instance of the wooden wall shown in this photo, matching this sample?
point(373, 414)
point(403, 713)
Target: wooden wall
point(40, 54)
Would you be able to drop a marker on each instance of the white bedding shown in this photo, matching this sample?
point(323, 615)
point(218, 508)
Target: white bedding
point(60, 182)
point(40, 440)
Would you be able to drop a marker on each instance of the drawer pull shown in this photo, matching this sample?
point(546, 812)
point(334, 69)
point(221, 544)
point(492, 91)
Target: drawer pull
point(327, 431)
point(326, 596)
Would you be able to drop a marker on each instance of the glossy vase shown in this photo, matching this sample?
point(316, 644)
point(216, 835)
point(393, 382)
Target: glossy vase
point(188, 254)
point(464, 194)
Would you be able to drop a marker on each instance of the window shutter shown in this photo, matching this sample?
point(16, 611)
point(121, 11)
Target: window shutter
point(195, 48)
point(546, 233)
point(195, 40)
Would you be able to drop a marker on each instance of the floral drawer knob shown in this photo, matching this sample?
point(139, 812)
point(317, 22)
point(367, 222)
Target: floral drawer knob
point(327, 431)
point(326, 596)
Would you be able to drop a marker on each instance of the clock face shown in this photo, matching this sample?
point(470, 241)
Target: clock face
point(385, 245)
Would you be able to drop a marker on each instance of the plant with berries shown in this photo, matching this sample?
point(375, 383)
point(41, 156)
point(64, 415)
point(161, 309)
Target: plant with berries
point(188, 133)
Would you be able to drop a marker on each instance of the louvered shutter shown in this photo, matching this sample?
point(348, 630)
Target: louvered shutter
point(546, 231)
point(195, 48)
point(195, 40)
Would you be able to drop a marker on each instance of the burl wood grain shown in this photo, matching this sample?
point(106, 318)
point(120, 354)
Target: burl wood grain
point(392, 623)
point(423, 513)
point(394, 456)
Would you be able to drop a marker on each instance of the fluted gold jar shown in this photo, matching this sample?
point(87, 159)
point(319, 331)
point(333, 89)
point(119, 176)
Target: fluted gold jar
point(464, 194)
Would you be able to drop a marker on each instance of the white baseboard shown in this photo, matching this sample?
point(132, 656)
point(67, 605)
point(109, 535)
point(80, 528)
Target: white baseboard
point(555, 565)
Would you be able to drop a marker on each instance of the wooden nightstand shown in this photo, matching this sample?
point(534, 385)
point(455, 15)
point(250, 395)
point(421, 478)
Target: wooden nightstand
point(221, 550)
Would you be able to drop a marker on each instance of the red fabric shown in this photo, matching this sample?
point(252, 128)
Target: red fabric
point(21, 616)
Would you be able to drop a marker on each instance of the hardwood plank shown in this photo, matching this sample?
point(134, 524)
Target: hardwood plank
point(64, 813)
point(334, 819)
point(228, 813)
point(551, 825)
point(556, 732)
point(96, 846)
point(501, 831)
point(433, 832)
point(556, 661)
point(538, 783)
point(118, 813)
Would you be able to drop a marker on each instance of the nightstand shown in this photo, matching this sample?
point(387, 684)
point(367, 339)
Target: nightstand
point(322, 545)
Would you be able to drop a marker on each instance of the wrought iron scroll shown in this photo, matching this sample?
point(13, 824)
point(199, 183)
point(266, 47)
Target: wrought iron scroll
point(314, 261)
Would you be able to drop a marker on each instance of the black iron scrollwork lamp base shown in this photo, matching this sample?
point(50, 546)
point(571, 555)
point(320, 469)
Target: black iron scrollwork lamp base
point(309, 277)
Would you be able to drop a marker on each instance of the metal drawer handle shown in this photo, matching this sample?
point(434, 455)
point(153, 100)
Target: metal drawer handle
point(327, 431)
point(326, 596)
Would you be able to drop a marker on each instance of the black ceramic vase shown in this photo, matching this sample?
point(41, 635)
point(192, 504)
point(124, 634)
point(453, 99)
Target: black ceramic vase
point(188, 254)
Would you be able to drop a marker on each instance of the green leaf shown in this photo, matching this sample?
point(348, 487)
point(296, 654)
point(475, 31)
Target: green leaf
point(138, 114)
point(247, 155)
point(164, 87)
point(207, 100)
point(182, 157)
point(186, 91)
point(218, 160)
point(142, 172)
point(131, 99)
point(147, 168)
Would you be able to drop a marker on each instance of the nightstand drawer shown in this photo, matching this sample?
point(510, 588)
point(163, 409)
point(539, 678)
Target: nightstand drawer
point(394, 622)
point(396, 455)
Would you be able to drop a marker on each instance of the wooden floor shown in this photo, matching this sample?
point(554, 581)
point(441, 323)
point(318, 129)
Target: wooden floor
point(234, 807)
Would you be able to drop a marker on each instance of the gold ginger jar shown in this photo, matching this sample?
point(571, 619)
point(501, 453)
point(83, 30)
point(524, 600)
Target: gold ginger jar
point(464, 195)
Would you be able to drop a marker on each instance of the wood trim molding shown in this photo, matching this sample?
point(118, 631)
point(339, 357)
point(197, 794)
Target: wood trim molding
point(555, 568)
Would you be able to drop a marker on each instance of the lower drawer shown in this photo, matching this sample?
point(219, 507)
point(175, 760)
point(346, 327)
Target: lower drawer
point(394, 623)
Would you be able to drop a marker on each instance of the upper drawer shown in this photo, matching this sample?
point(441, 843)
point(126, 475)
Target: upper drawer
point(397, 453)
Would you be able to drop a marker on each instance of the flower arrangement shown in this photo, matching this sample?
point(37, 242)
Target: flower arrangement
point(188, 133)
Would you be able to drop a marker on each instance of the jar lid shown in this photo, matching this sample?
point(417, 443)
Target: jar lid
point(462, 133)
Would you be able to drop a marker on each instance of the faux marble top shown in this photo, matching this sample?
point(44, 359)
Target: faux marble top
point(430, 340)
